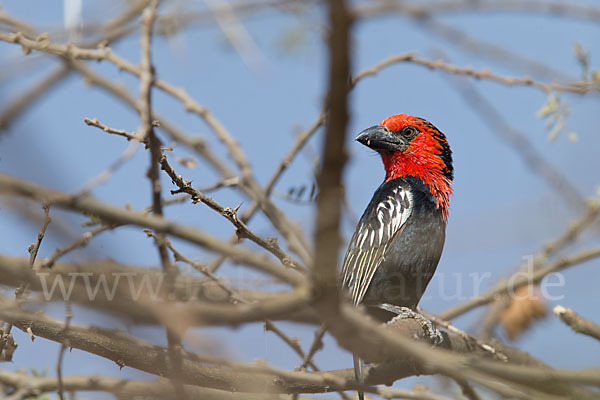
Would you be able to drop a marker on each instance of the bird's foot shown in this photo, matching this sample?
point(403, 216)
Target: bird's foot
point(434, 335)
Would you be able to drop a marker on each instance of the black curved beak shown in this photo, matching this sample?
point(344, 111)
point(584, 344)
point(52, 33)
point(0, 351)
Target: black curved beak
point(380, 139)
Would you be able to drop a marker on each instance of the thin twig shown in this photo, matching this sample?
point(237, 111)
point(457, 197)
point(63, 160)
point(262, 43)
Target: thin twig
point(116, 215)
point(84, 239)
point(519, 142)
point(577, 322)
point(535, 277)
point(61, 353)
point(571, 234)
point(412, 58)
point(316, 345)
point(119, 132)
point(269, 325)
point(147, 80)
point(20, 292)
point(198, 266)
point(72, 52)
point(242, 230)
point(35, 247)
point(468, 390)
point(236, 297)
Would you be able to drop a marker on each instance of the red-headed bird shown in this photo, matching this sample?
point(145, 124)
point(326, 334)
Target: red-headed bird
point(399, 239)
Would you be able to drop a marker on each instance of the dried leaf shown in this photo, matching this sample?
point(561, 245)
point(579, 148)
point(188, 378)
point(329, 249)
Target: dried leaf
point(187, 162)
point(525, 308)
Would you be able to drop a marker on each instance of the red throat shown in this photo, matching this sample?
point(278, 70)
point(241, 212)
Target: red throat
point(422, 165)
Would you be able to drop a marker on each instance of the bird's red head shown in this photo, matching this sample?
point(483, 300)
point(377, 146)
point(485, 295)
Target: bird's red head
point(411, 146)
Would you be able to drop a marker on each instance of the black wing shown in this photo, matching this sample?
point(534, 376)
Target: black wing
point(383, 219)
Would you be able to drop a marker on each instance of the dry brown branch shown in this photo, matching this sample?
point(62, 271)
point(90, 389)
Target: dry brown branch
point(242, 230)
point(451, 328)
point(237, 298)
point(119, 132)
point(468, 391)
point(204, 271)
point(121, 280)
point(137, 294)
point(6, 19)
point(117, 27)
point(197, 144)
point(575, 87)
point(577, 322)
point(300, 142)
point(570, 235)
point(520, 144)
point(114, 215)
point(35, 247)
point(21, 290)
point(357, 333)
point(550, 249)
point(71, 53)
point(121, 388)
point(536, 277)
point(587, 219)
point(126, 350)
point(147, 78)
point(316, 345)
point(369, 348)
point(84, 239)
point(286, 228)
point(61, 353)
point(327, 237)
point(401, 348)
point(456, 342)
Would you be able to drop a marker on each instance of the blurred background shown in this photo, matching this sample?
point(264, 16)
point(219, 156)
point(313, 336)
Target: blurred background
point(526, 159)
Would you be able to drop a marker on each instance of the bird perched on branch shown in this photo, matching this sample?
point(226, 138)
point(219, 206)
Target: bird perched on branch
point(399, 239)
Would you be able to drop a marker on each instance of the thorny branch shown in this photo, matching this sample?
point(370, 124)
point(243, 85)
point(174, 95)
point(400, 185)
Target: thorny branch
point(21, 291)
point(242, 230)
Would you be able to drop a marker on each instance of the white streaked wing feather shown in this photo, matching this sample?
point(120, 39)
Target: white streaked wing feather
point(369, 244)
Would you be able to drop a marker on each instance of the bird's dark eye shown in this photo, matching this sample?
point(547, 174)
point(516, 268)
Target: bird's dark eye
point(409, 131)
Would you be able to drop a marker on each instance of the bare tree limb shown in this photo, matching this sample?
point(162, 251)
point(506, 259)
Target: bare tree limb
point(121, 388)
point(114, 215)
point(327, 237)
point(125, 350)
point(520, 281)
point(242, 230)
point(577, 322)
point(520, 144)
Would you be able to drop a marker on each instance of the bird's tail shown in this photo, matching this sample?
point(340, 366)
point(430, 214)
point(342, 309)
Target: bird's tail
point(358, 373)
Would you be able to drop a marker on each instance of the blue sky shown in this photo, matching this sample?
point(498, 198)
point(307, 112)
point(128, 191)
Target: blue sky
point(500, 212)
